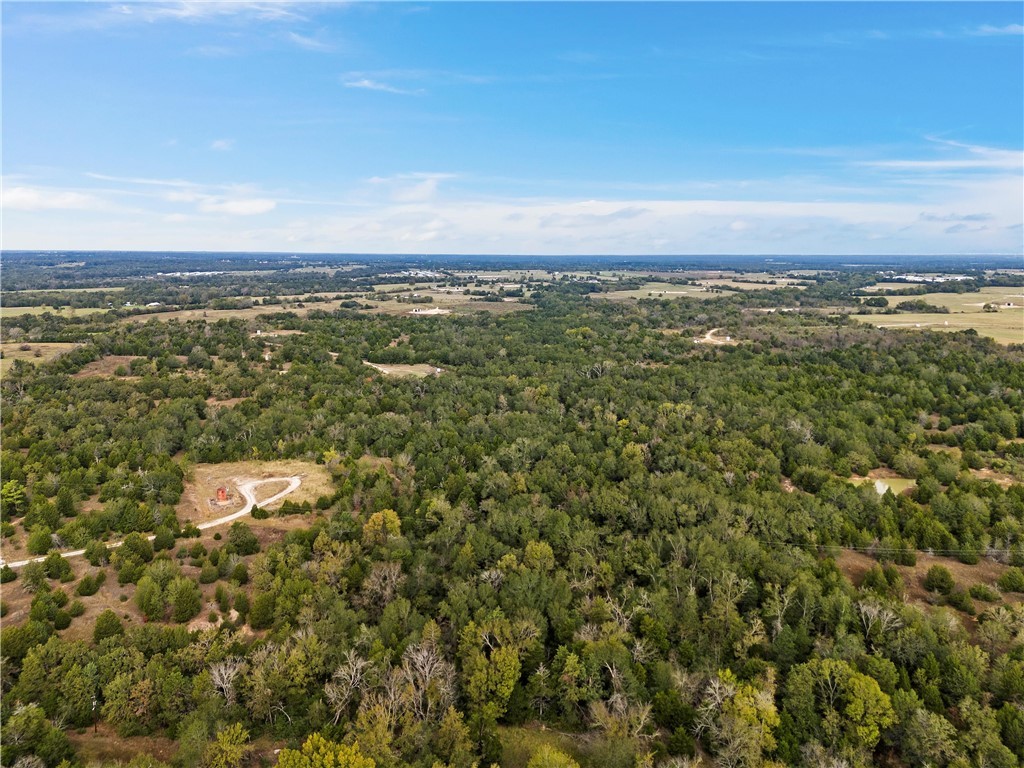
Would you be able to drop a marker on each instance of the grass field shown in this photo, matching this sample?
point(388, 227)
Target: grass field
point(744, 282)
point(10, 312)
point(67, 290)
point(855, 564)
point(657, 290)
point(518, 743)
point(207, 478)
point(418, 370)
point(966, 310)
point(882, 484)
point(36, 352)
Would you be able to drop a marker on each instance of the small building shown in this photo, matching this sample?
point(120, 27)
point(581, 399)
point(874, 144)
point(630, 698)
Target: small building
point(222, 495)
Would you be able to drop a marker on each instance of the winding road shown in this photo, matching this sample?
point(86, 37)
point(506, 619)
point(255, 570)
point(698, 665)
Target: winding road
point(248, 490)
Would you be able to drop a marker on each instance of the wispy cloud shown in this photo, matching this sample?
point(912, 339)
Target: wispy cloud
point(241, 207)
point(309, 43)
point(582, 219)
point(412, 187)
point(376, 85)
point(202, 10)
point(25, 198)
point(989, 30)
point(230, 199)
point(956, 157)
point(222, 145)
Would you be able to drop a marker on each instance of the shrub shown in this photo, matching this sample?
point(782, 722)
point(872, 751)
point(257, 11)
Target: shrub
point(39, 541)
point(242, 605)
point(136, 547)
point(33, 577)
point(184, 598)
point(61, 620)
point(163, 539)
point(240, 574)
point(961, 601)
point(939, 579)
point(7, 574)
point(208, 574)
point(1012, 580)
point(58, 568)
point(96, 553)
point(682, 743)
point(243, 540)
point(984, 592)
point(87, 586)
point(107, 625)
point(75, 608)
point(261, 615)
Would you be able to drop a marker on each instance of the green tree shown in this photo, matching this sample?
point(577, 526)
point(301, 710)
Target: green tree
point(28, 732)
point(318, 752)
point(107, 625)
point(184, 599)
point(13, 500)
point(939, 579)
point(228, 749)
point(149, 598)
point(547, 756)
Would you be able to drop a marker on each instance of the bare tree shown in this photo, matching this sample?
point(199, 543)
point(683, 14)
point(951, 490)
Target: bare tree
point(348, 683)
point(431, 678)
point(223, 675)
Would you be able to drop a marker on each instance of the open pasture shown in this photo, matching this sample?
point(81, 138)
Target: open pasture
point(417, 370)
point(195, 504)
point(657, 290)
point(966, 310)
point(7, 313)
point(37, 352)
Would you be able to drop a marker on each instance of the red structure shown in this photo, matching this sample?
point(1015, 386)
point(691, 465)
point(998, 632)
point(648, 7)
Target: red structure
point(222, 495)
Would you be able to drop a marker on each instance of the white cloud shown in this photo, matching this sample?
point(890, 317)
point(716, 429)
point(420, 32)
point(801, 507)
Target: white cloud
point(309, 43)
point(43, 199)
point(376, 85)
point(412, 187)
point(240, 207)
point(202, 10)
point(222, 145)
point(990, 30)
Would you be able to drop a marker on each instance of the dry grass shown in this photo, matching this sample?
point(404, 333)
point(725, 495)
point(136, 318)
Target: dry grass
point(207, 478)
point(231, 402)
point(519, 743)
point(998, 478)
point(885, 479)
point(445, 299)
point(855, 564)
point(11, 312)
point(419, 370)
point(106, 366)
point(657, 290)
point(37, 352)
point(966, 310)
point(106, 747)
point(753, 282)
point(108, 597)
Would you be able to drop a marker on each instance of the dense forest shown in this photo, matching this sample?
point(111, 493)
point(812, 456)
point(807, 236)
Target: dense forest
point(587, 526)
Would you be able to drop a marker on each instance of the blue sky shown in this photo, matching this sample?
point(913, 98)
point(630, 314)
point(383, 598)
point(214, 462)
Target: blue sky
point(538, 128)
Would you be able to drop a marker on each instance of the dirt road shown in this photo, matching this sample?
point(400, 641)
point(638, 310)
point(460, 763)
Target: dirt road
point(246, 487)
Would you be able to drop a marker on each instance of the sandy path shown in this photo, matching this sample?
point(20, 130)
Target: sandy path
point(247, 489)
